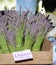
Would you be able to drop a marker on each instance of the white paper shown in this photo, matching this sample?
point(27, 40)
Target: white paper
point(54, 53)
point(22, 55)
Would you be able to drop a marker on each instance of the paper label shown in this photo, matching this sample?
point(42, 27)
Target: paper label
point(22, 55)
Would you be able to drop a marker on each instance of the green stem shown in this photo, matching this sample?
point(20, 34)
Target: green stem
point(28, 41)
point(11, 47)
point(3, 43)
point(19, 37)
point(0, 51)
point(38, 43)
point(39, 40)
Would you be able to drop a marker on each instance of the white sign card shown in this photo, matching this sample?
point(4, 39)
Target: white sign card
point(22, 55)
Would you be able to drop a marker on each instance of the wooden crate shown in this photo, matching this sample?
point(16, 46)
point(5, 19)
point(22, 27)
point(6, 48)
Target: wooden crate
point(41, 57)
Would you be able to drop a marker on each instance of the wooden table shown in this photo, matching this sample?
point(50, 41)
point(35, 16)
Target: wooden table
point(42, 57)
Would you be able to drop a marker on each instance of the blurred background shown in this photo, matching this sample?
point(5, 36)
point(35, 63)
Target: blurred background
point(7, 3)
point(50, 5)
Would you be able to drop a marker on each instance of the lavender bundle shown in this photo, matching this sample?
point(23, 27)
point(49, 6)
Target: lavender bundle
point(43, 26)
point(22, 30)
point(35, 31)
point(3, 44)
point(8, 21)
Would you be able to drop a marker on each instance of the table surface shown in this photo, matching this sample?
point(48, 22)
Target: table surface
point(41, 57)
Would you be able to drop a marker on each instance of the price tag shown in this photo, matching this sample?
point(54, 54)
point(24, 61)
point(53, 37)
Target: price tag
point(22, 55)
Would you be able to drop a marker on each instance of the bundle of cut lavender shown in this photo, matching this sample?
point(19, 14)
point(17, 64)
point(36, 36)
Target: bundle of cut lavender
point(20, 31)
